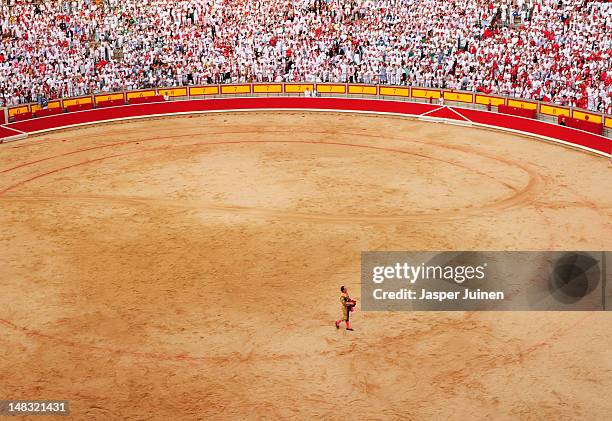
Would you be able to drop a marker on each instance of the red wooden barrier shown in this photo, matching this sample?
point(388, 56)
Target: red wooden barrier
point(48, 111)
point(146, 99)
point(111, 103)
point(525, 125)
point(23, 116)
point(79, 107)
point(581, 124)
point(521, 112)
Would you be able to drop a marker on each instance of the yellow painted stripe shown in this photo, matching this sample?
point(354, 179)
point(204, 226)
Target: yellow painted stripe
point(331, 89)
point(554, 111)
point(592, 118)
point(294, 88)
point(387, 90)
point(484, 100)
point(425, 93)
point(204, 90)
point(77, 101)
point(275, 88)
point(363, 90)
point(140, 94)
point(173, 91)
point(53, 104)
point(458, 97)
point(236, 89)
point(522, 104)
point(108, 97)
point(609, 122)
point(18, 110)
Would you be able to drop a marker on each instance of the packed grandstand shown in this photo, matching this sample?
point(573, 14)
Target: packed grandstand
point(551, 50)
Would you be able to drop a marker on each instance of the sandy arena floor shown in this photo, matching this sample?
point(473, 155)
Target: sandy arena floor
point(189, 268)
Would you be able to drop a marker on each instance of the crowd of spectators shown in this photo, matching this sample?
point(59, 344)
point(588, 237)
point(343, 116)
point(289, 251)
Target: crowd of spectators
point(552, 50)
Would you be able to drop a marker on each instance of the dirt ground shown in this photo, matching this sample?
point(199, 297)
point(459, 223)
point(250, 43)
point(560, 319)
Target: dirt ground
point(188, 268)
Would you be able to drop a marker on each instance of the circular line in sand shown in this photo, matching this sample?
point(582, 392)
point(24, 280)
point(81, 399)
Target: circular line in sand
point(520, 197)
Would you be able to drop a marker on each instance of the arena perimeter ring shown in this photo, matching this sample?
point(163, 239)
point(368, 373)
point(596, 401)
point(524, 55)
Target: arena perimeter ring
point(189, 266)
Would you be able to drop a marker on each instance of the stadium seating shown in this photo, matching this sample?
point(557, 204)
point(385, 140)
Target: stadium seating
point(548, 50)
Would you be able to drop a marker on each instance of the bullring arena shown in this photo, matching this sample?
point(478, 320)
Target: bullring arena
point(187, 266)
